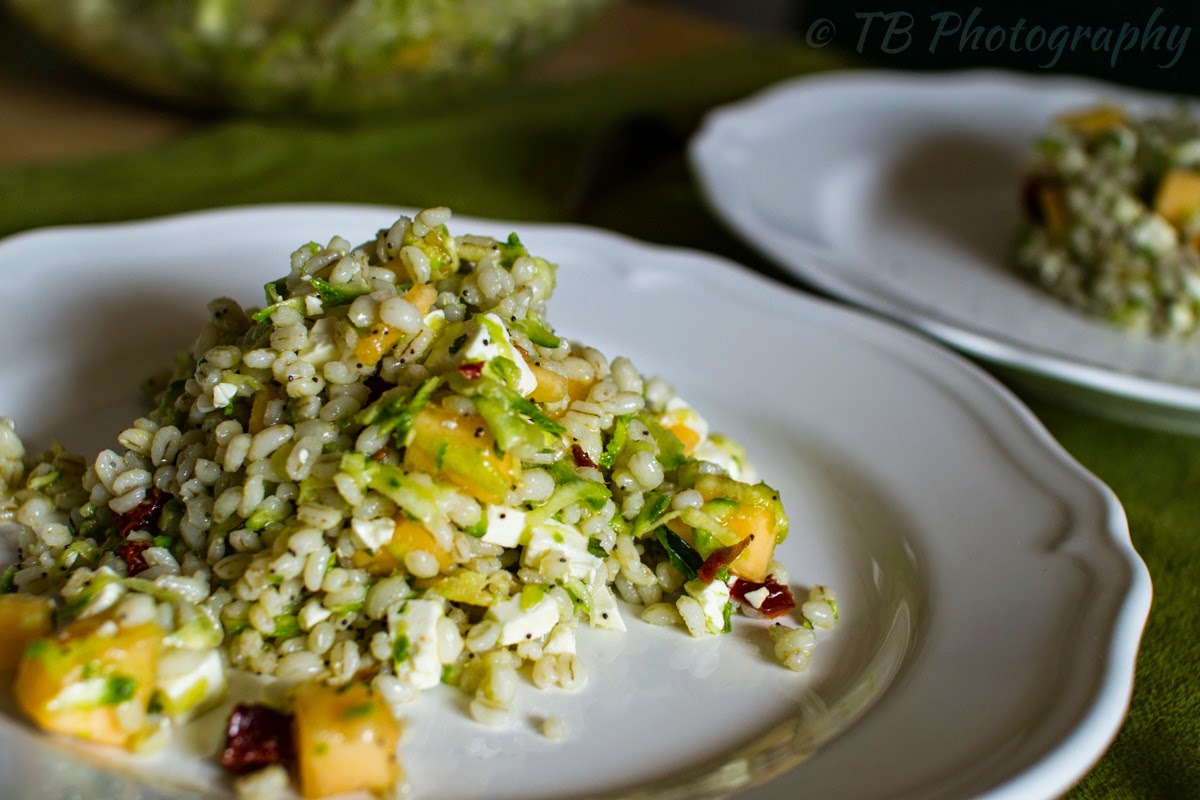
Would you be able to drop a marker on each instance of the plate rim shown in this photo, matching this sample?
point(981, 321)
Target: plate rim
point(1105, 710)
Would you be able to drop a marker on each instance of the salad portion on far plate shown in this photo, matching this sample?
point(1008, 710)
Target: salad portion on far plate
point(990, 603)
point(903, 194)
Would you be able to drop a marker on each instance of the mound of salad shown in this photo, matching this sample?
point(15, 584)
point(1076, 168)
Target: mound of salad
point(392, 476)
point(1112, 217)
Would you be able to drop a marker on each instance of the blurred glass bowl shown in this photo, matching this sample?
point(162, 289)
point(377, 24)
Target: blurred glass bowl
point(307, 56)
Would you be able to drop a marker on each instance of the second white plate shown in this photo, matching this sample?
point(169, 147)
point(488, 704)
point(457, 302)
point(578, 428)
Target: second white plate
point(900, 193)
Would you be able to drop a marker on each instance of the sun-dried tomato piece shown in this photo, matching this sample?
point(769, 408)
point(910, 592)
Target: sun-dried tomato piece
point(144, 515)
point(778, 601)
point(719, 559)
point(582, 459)
point(257, 736)
point(132, 554)
point(472, 370)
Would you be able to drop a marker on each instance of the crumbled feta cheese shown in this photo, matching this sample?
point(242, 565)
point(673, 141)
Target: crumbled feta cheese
point(1125, 209)
point(1154, 234)
point(519, 625)
point(86, 693)
point(755, 598)
point(268, 782)
point(553, 728)
point(321, 346)
point(556, 539)
point(190, 680)
point(1187, 154)
point(223, 394)
point(1180, 317)
point(486, 339)
point(417, 622)
point(605, 613)
point(505, 526)
point(713, 598)
point(372, 533)
point(312, 613)
point(103, 600)
point(728, 456)
point(562, 640)
point(496, 342)
point(312, 305)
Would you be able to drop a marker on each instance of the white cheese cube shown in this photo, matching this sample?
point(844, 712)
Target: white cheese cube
point(728, 456)
point(505, 525)
point(486, 339)
point(1154, 234)
point(519, 624)
point(321, 347)
point(713, 598)
point(312, 613)
point(756, 597)
point(555, 539)
point(605, 613)
point(190, 681)
point(562, 640)
point(481, 345)
point(418, 621)
point(372, 534)
point(223, 394)
point(87, 693)
point(495, 343)
point(104, 599)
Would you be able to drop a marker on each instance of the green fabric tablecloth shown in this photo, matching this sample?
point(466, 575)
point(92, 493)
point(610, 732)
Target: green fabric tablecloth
point(556, 152)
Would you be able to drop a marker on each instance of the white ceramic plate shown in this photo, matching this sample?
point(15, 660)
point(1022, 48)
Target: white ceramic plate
point(991, 601)
point(900, 193)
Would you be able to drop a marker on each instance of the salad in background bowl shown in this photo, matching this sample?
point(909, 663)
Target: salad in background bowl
point(313, 56)
point(1112, 217)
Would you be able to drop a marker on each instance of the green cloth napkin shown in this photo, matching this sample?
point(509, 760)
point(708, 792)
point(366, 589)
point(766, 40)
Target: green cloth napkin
point(525, 153)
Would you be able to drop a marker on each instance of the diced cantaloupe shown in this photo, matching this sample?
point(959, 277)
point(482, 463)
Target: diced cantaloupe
point(1093, 121)
point(687, 437)
point(93, 680)
point(681, 529)
point(579, 390)
point(757, 524)
point(1178, 195)
point(381, 338)
point(551, 387)
point(345, 740)
point(421, 295)
point(23, 618)
point(370, 348)
point(749, 522)
point(1053, 203)
point(460, 450)
point(756, 514)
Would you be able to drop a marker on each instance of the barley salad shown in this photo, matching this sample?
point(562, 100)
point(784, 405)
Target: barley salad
point(1112, 207)
point(394, 475)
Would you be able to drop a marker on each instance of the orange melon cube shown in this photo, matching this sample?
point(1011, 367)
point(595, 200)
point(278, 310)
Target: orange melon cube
point(93, 680)
point(346, 740)
point(23, 619)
